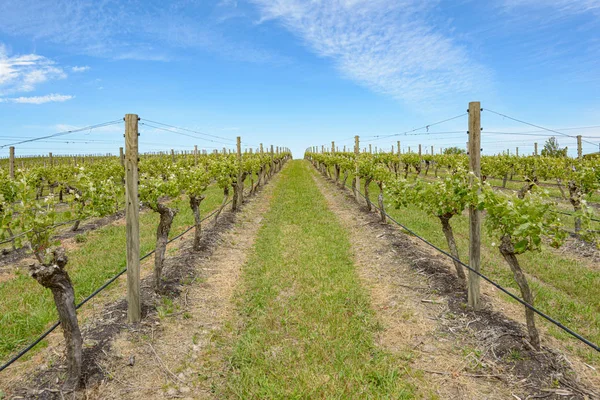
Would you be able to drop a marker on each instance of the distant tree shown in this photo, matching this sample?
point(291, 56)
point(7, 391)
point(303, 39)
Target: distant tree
point(454, 150)
point(552, 149)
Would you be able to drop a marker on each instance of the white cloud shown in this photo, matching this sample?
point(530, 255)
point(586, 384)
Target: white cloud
point(389, 46)
point(104, 29)
point(80, 69)
point(49, 98)
point(22, 73)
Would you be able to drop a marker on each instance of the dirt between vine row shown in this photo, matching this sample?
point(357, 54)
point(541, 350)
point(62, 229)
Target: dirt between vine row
point(122, 360)
point(422, 306)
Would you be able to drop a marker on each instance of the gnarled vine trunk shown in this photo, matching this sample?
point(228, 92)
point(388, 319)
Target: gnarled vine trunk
point(526, 188)
point(52, 275)
point(345, 179)
point(367, 198)
point(575, 199)
point(195, 206)
point(380, 201)
point(223, 203)
point(447, 229)
point(75, 226)
point(167, 215)
point(508, 252)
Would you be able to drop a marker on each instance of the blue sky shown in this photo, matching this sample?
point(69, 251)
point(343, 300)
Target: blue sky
point(298, 73)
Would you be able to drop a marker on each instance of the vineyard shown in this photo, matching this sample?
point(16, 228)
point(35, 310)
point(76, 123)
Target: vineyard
point(243, 274)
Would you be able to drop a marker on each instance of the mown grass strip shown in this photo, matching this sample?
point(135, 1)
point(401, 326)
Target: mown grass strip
point(308, 326)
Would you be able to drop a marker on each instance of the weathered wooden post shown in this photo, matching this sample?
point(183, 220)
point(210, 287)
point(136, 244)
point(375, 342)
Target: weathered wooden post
point(474, 213)
point(132, 210)
point(51, 159)
point(579, 151)
point(535, 149)
point(196, 155)
point(238, 197)
point(121, 157)
point(356, 186)
point(11, 162)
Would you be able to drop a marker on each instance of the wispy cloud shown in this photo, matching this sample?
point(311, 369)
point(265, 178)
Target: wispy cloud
point(105, 29)
point(390, 46)
point(22, 73)
point(80, 69)
point(49, 98)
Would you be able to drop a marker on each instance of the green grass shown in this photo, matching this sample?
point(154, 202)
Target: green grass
point(563, 286)
point(27, 309)
point(308, 325)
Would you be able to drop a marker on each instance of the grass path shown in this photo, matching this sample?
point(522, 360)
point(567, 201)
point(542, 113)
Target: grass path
point(307, 326)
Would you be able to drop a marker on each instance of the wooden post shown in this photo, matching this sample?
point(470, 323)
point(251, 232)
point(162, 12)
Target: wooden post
point(357, 179)
point(51, 159)
point(132, 213)
point(370, 149)
point(517, 152)
point(579, 152)
point(333, 147)
point(474, 213)
point(11, 162)
point(535, 149)
point(173, 156)
point(121, 157)
point(419, 150)
point(240, 185)
point(344, 148)
point(432, 150)
point(261, 148)
point(196, 155)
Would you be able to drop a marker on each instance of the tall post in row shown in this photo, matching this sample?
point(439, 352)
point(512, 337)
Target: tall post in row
point(370, 149)
point(399, 150)
point(333, 147)
point(356, 185)
point(272, 171)
point(196, 155)
point(132, 214)
point(474, 213)
point(535, 149)
point(431, 149)
point(239, 183)
point(11, 162)
point(121, 157)
point(51, 159)
point(579, 151)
